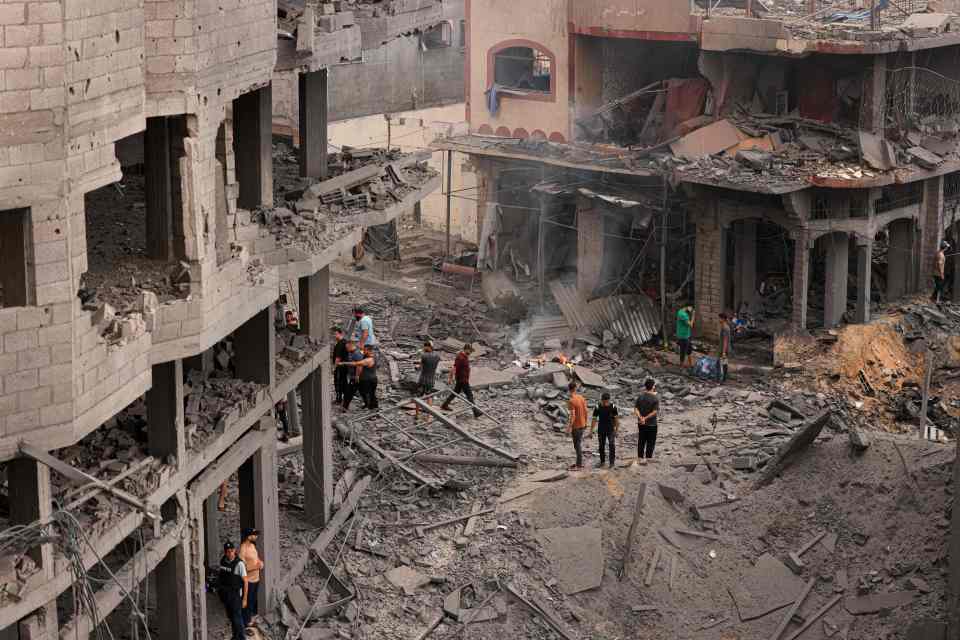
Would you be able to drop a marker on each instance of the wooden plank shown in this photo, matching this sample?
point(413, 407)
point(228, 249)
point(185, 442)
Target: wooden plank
point(819, 614)
point(793, 609)
point(697, 534)
point(628, 553)
point(470, 461)
point(428, 527)
point(471, 524)
point(648, 579)
point(469, 436)
point(413, 473)
point(73, 473)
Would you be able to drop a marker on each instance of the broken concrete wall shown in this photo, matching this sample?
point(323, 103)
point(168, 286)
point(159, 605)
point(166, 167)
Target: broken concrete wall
point(709, 274)
point(631, 16)
point(590, 244)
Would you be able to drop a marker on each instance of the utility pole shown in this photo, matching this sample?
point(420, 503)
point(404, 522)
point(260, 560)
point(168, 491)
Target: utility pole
point(663, 266)
point(389, 120)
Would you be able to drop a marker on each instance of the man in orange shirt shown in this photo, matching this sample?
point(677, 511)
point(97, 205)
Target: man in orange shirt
point(251, 558)
point(577, 424)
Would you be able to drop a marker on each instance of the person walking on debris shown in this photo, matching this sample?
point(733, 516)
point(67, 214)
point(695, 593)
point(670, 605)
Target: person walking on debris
point(684, 330)
point(460, 378)
point(646, 410)
point(725, 334)
point(577, 423)
point(339, 373)
point(232, 587)
point(429, 361)
point(254, 565)
point(940, 266)
point(351, 377)
point(363, 333)
point(608, 416)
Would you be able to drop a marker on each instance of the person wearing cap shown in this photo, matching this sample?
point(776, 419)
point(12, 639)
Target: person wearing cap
point(232, 586)
point(607, 414)
point(254, 565)
point(460, 378)
point(363, 333)
point(940, 266)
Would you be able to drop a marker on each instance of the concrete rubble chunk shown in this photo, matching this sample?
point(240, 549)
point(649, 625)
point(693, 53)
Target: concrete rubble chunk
point(877, 602)
point(298, 601)
point(406, 578)
point(859, 439)
point(802, 438)
point(670, 494)
point(577, 556)
point(767, 586)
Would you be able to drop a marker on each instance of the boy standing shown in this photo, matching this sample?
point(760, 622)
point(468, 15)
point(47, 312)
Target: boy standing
point(684, 330)
point(577, 423)
point(646, 410)
point(608, 416)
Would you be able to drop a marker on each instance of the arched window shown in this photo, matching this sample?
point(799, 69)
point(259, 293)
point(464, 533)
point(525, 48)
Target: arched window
point(523, 66)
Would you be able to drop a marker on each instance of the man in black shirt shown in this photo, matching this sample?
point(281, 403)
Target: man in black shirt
point(646, 410)
point(609, 418)
point(339, 373)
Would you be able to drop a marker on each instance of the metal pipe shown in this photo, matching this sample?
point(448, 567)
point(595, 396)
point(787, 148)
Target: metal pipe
point(449, 195)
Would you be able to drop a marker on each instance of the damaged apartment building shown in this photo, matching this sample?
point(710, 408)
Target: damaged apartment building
point(143, 258)
point(793, 161)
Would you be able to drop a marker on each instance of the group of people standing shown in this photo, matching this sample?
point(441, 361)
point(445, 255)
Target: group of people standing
point(238, 583)
point(356, 359)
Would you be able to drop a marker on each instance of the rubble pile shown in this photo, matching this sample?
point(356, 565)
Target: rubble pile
point(375, 193)
point(293, 350)
point(214, 403)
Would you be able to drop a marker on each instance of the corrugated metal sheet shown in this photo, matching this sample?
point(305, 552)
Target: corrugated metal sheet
point(632, 316)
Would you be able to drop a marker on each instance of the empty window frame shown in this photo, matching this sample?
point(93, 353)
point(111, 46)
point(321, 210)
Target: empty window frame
point(439, 36)
point(14, 250)
point(524, 69)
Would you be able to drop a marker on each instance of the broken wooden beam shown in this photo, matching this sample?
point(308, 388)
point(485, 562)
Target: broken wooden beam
point(431, 626)
point(471, 523)
point(648, 579)
point(697, 534)
point(460, 430)
point(819, 614)
point(413, 473)
point(793, 609)
point(470, 461)
point(802, 438)
point(628, 553)
point(422, 529)
point(545, 615)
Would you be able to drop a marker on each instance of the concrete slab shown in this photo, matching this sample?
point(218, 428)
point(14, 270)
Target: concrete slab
point(298, 601)
point(544, 373)
point(802, 438)
point(518, 492)
point(483, 377)
point(577, 556)
point(547, 476)
point(588, 377)
point(767, 586)
point(407, 579)
point(706, 141)
point(877, 602)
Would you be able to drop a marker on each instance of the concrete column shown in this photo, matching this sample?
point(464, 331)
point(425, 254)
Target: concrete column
point(317, 445)
point(293, 413)
point(165, 421)
point(874, 96)
point(256, 349)
point(835, 285)
point(745, 263)
point(900, 259)
point(158, 189)
point(28, 484)
point(315, 304)
point(259, 508)
point(931, 231)
point(589, 246)
point(174, 587)
point(211, 531)
point(252, 124)
point(801, 280)
point(313, 124)
point(201, 362)
point(864, 275)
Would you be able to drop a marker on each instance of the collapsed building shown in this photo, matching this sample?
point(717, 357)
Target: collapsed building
point(793, 162)
point(145, 263)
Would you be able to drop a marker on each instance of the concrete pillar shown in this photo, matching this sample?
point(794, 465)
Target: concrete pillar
point(252, 124)
point(801, 279)
point(931, 231)
point(293, 413)
point(589, 246)
point(835, 285)
point(317, 445)
point(259, 508)
point(900, 259)
point(201, 362)
point(874, 96)
point(314, 293)
point(211, 531)
point(313, 124)
point(158, 189)
point(745, 263)
point(864, 275)
point(29, 495)
point(173, 586)
point(256, 349)
point(165, 421)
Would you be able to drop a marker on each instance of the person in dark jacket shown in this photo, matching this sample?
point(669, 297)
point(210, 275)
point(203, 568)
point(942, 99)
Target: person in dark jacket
point(460, 378)
point(232, 588)
point(339, 373)
point(367, 379)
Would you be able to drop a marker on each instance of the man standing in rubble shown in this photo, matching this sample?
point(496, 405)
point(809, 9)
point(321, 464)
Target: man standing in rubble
point(363, 333)
point(684, 331)
point(646, 410)
point(577, 423)
point(352, 373)
point(254, 565)
point(939, 272)
point(232, 587)
point(608, 416)
point(339, 373)
point(460, 378)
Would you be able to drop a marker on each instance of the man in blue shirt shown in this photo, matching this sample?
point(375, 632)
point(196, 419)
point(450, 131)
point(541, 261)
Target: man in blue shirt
point(363, 333)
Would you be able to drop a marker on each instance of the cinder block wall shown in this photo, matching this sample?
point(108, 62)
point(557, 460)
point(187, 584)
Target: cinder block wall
point(709, 274)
